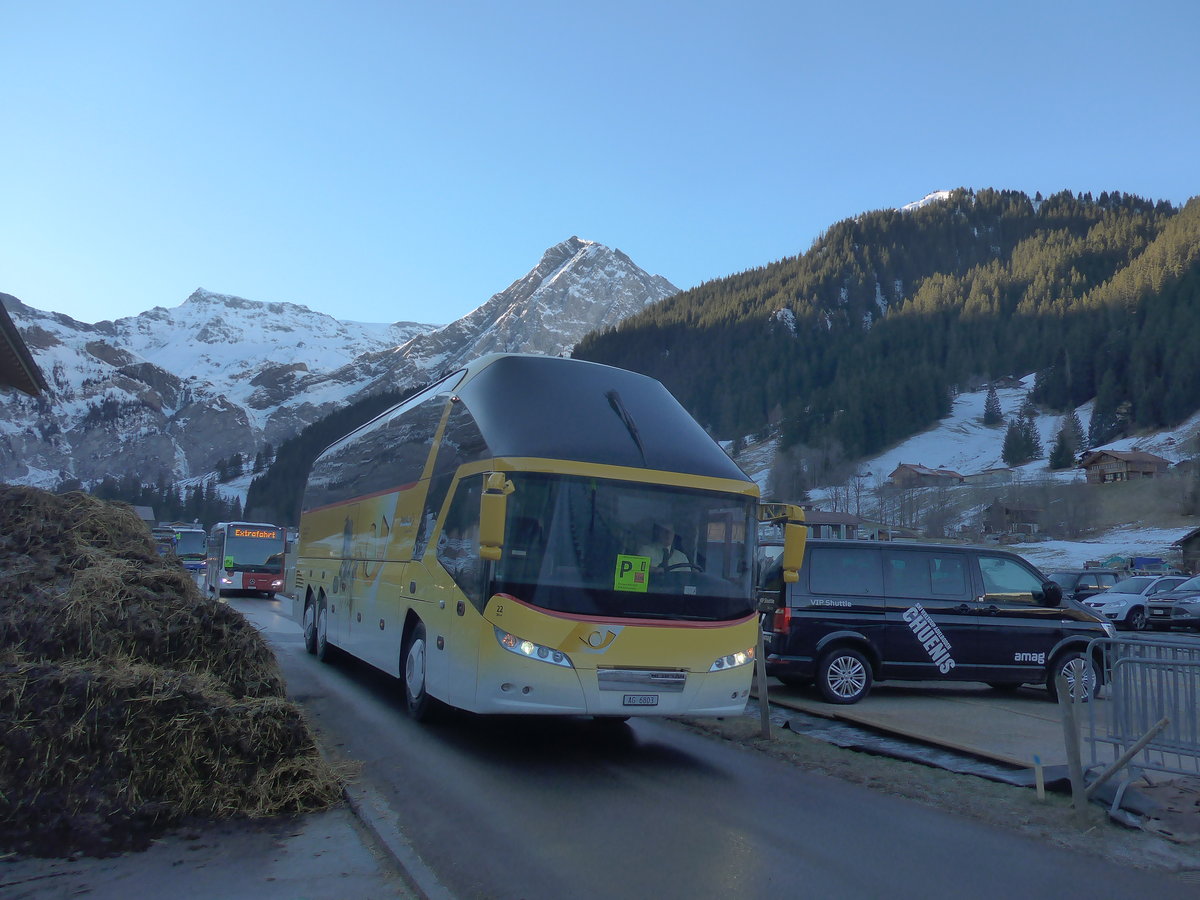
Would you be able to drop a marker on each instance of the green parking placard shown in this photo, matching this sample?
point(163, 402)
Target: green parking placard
point(632, 573)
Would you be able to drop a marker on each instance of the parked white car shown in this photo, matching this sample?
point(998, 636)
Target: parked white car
point(1127, 602)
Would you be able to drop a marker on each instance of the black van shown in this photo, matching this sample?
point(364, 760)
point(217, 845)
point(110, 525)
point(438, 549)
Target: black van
point(866, 611)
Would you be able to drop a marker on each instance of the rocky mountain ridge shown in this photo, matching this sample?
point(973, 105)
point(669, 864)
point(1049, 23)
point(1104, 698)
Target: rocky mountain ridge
point(169, 392)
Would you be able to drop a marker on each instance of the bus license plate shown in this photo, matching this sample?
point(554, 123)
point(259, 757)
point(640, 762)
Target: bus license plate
point(641, 700)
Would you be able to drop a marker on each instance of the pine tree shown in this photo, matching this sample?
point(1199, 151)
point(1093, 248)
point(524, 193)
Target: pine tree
point(1105, 424)
point(1031, 441)
point(1013, 450)
point(992, 413)
point(1074, 430)
point(1061, 454)
point(1028, 408)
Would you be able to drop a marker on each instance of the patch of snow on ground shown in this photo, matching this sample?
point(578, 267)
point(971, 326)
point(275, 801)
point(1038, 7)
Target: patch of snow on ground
point(1124, 541)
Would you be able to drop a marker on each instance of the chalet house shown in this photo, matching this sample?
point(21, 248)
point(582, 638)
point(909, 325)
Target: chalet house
point(990, 476)
point(17, 368)
point(1189, 549)
point(912, 475)
point(1104, 466)
point(1000, 518)
point(839, 525)
point(1008, 381)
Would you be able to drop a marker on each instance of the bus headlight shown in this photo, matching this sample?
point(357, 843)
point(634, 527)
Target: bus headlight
point(530, 650)
point(733, 660)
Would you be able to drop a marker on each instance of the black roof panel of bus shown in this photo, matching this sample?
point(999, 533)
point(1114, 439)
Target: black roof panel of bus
point(547, 407)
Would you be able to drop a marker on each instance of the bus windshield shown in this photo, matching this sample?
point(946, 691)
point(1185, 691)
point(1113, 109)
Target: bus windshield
point(621, 549)
point(253, 554)
point(190, 544)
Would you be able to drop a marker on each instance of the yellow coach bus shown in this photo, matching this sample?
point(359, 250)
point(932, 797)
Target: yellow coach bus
point(537, 535)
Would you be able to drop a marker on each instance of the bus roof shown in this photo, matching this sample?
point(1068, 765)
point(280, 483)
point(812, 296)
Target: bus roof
point(555, 408)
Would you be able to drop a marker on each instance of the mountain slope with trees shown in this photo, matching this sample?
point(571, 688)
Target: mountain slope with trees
point(864, 339)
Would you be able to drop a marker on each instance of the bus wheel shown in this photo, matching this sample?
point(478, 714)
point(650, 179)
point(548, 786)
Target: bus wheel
point(417, 700)
point(324, 649)
point(310, 627)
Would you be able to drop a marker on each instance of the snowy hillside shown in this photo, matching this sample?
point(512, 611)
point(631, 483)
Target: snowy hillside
point(962, 443)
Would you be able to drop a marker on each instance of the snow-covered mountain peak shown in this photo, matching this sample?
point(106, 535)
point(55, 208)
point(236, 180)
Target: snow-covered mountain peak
point(174, 389)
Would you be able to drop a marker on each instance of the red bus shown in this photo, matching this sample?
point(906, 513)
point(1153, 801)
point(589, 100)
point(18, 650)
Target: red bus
point(245, 557)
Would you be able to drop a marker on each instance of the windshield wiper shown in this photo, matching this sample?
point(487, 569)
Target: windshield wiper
point(614, 400)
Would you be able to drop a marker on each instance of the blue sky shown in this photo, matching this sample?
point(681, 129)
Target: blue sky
point(389, 161)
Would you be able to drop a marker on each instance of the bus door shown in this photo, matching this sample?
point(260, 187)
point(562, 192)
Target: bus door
point(341, 592)
point(376, 618)
point(449, 580)
point(215, 554)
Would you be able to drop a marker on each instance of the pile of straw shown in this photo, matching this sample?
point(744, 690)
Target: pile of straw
point(129, 702)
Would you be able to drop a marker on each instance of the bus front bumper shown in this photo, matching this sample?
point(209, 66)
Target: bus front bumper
point(509, 684)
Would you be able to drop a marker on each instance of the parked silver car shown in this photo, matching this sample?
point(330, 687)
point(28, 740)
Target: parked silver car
point(1127, 603)
point(1177, 608)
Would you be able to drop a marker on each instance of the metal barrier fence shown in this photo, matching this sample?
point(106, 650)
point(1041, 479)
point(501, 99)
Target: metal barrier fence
point(1148, 681)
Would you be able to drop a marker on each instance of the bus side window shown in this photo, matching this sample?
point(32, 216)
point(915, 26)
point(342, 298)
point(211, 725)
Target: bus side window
point(461, 443)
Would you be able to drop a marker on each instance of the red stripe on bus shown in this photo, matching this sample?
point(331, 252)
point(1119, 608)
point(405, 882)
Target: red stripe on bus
point(402, 487)
point(657, 623)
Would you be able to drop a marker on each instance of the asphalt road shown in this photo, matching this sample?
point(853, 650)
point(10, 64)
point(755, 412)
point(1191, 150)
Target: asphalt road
point(532, 808)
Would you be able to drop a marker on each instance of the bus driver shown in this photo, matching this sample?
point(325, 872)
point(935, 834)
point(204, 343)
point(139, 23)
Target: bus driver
point(663, 553)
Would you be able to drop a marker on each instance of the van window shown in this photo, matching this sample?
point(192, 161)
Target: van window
point(931, 575)
point(1009, 580)
point(845, 571)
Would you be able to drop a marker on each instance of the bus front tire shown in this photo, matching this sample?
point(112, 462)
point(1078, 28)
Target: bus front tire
point(418, 703)
point(310, 627)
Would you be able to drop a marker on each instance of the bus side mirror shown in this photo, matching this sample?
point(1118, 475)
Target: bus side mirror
point(795, 536)
point(493, 507)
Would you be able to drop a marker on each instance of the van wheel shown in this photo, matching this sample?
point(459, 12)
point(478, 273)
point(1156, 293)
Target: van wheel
point(324, 648)
point(418, 703)
point(1136, 620)
point(1079, 672)
point(844, 676)
point(310, 627)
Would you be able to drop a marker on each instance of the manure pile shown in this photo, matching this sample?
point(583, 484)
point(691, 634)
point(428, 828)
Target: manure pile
point(129, 702)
